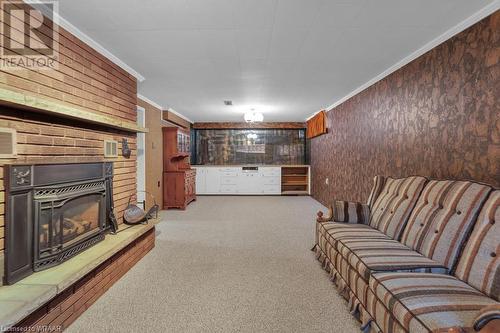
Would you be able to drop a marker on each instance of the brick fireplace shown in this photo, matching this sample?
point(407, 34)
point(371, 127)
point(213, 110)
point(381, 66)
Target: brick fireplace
point(86, 81)
point(44, 139)
point(63, 117)
point(54, 212)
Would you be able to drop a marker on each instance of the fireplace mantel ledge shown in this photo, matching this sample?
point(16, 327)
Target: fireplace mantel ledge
point(33, 103)
point(24, 297)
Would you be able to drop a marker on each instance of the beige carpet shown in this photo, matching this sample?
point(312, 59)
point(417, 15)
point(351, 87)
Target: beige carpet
point(226, 264)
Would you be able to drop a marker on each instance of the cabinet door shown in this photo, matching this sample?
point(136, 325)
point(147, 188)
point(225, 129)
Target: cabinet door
point(201, 180)
point(270, 180)
point(248, 183)
point(212, 176)
point(174, 189)
point(274, 172)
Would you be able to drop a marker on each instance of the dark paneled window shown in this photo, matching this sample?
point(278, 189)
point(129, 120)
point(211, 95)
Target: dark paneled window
point(256, 146)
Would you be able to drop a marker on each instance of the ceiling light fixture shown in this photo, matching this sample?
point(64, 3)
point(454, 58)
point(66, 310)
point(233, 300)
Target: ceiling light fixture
point(252, 117)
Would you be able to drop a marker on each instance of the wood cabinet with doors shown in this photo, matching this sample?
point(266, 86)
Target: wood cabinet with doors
point(179, 179)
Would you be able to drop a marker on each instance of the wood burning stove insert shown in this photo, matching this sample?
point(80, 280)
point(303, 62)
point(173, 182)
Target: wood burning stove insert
point(54, 211)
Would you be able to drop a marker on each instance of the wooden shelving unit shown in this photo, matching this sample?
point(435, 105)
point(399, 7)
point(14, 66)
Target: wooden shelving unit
point(179, 179)
point(295, 180)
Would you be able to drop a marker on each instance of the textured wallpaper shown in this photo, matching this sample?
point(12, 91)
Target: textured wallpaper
point(438, 116)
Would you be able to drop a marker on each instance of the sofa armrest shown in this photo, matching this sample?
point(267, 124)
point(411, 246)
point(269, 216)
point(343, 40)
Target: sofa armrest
point(346, 212)
point(321, 218)
point(493, 326)
point(488, 319)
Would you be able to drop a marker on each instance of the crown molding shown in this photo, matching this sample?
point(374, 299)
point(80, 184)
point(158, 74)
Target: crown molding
point(471, 20)
point(180, 115)
point(62, 22)
point(161, 108)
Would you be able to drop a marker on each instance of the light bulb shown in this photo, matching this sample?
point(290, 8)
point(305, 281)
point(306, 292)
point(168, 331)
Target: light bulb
point(249, 117)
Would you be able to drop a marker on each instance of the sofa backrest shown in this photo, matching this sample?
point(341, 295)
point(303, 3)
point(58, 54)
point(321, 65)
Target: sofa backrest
point(442, 218)
point(393, 206)
point(378, 186)
point(479, 264)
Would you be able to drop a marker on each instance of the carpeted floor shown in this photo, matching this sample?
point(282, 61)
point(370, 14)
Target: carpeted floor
point(226, 264)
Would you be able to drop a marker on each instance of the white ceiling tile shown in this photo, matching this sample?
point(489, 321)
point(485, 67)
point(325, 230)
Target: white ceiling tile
point(286, 43)
point(334, 15)
point(253, 43)
point(400, 13)
point(213, 14)
point(319, 43)
point(258, 14)
point(256, 68)
point(296, 14)
point(219, 43)
point(464, 8)
point(288, 57)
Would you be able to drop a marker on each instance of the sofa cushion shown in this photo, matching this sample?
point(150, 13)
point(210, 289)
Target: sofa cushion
point(393, 206)
point(350, 212)
point(335, 231)
point(420, 301)
point(375, 255)
point(378, 186)
point(442, 218)
point(479, 264)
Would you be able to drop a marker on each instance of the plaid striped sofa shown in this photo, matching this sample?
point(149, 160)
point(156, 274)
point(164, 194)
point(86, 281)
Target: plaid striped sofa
point(420, 256)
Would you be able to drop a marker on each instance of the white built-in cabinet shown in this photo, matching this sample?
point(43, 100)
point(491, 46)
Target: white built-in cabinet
point(240, 180)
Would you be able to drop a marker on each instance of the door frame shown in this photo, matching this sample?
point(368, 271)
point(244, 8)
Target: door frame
point(141, 156)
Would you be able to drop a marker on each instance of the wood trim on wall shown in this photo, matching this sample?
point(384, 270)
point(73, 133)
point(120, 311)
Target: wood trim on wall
point(243, 125)
point(175, 119)
point(154, 151)
point(316, 126)
point(32, 103)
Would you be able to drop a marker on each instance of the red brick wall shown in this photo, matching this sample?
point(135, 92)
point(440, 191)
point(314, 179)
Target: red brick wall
point(85, 80)
point(66, 307)
point(65, 141)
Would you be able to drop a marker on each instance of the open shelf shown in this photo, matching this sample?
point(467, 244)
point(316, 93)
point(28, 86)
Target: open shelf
point(294, 192)
point(295, 180)
point(294, 183)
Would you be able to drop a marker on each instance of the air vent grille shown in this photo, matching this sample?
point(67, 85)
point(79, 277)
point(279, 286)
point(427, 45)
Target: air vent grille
point(7, 143)
point(110, 148)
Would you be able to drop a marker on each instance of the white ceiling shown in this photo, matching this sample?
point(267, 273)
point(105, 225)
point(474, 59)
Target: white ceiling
point(285, 58)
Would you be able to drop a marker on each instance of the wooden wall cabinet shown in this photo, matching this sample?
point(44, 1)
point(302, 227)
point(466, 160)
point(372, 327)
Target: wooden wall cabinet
point(179, 179)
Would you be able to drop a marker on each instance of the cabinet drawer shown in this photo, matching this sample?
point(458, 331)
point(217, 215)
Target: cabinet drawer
point(228, 180)
point(271, 172)
point(271, 189)
point(229, 174)
point(228, 189)
point(231, 170)
point(271, 181)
